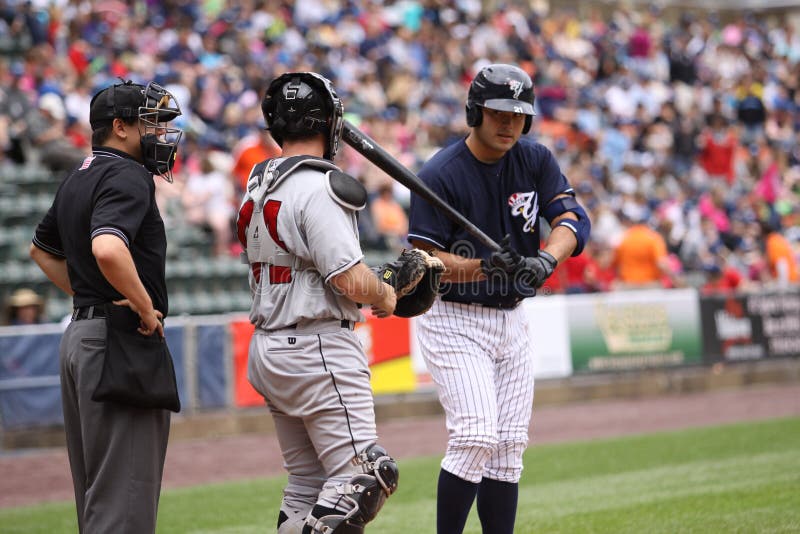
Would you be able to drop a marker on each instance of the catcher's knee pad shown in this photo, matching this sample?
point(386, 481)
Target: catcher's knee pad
point(376, 461)
point(364, 494)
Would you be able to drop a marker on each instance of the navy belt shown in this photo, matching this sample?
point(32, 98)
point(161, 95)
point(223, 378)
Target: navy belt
point(497, 305)
point(88, 312)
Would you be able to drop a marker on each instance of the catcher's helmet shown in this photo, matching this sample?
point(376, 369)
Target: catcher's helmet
point(299, 104)
point(501, 87)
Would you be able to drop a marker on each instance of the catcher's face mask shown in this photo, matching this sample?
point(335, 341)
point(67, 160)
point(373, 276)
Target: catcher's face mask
point(158, 140)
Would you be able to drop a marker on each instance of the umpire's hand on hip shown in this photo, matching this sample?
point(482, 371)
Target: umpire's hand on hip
point(150, 321)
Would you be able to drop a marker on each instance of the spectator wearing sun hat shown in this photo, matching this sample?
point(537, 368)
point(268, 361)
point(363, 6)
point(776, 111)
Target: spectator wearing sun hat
point(24, 306)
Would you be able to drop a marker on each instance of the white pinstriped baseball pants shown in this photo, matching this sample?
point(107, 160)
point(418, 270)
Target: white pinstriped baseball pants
point(480, 359)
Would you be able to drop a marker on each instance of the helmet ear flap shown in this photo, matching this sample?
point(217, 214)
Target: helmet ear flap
point(474, 114)
point(268, 110)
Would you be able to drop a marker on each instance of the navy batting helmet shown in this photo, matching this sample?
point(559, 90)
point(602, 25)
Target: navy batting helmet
point(501, 87)
point(299, 104)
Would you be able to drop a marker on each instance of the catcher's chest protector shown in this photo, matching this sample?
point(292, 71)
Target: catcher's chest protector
point(263, 243)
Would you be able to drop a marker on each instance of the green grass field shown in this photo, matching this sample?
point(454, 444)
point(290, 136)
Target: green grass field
point(739, 478)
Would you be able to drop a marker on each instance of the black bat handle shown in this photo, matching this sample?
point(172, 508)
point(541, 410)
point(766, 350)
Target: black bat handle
point(371, 150)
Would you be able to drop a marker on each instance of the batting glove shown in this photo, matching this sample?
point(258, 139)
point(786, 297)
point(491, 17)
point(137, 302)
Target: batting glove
point(505, 260)
point(535, 270)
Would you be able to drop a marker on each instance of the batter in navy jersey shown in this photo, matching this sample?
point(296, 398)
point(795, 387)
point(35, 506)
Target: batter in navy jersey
point(475, 338)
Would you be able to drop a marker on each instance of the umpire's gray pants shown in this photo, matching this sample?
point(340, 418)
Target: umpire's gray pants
point(116, 452)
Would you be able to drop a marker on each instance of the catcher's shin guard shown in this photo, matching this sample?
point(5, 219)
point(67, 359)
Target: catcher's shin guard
point(324, 520)
point(364, 494)
point(291, 523)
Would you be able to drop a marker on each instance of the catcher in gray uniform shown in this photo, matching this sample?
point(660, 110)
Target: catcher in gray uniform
point(297, 223)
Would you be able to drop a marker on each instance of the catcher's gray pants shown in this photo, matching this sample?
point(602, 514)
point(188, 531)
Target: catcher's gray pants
point(116, 453)
point(316, 384)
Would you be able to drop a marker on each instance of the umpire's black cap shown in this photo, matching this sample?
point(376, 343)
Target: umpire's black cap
point(118, 101)
point(126, 100)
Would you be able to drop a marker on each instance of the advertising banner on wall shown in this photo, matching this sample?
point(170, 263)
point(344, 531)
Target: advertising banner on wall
point(634, 330)
point(30, 388)
point(548, 322)
point(749, 327)
point(387, 345)
point(243, 393)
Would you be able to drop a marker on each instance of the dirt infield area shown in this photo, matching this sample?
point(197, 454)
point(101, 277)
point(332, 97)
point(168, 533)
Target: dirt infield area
point(33, 476)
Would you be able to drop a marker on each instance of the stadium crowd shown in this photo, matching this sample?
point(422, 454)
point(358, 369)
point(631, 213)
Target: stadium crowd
point(678, 132)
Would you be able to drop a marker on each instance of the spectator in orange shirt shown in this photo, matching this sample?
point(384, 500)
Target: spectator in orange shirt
point(389, 217)
point(780, 256)
point(641, 258)
point(249, 151)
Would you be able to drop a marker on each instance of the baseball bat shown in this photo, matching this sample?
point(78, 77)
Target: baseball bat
point(367, 147)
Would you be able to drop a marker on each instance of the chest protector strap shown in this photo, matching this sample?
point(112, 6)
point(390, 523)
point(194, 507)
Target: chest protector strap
point(263, 243)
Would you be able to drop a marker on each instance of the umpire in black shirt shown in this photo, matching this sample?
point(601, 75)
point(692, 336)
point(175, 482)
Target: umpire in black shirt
point(103, 241)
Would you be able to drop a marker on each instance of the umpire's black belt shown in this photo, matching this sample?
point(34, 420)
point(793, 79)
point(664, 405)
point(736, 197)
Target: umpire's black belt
point(88, 312)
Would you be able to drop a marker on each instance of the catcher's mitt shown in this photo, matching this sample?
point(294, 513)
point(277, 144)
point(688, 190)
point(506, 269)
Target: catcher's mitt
point(415, 278)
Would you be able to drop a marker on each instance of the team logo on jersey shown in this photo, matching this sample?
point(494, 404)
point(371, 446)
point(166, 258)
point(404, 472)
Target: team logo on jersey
point(525, 205)
point(86, 162)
